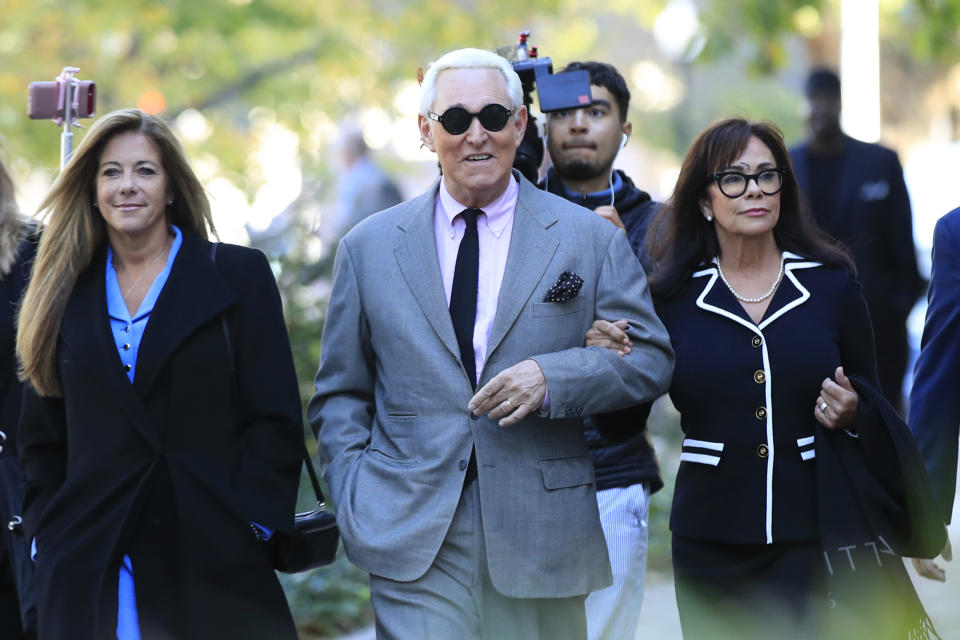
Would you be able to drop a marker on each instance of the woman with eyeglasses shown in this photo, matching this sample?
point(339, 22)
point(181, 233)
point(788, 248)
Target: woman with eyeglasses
point(769, 326)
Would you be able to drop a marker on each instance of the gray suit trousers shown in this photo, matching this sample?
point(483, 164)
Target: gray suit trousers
point(455, 600)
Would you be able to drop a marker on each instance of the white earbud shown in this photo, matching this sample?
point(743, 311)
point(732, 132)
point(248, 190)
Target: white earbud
point(623, 140)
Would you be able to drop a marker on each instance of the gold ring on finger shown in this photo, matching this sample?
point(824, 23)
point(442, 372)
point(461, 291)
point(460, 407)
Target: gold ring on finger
point(509, 404)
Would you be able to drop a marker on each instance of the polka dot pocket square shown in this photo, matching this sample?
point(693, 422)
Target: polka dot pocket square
point(567, 287)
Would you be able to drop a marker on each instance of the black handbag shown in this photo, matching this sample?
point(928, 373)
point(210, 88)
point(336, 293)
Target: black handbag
point(315, 536)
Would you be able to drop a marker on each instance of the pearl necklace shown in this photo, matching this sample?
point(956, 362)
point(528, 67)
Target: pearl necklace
point(741, 298)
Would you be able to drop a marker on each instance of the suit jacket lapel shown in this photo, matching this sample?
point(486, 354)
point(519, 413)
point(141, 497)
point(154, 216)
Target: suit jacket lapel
point(531, 249)
point(86, 333)
point(416, 255)
point(194, 293)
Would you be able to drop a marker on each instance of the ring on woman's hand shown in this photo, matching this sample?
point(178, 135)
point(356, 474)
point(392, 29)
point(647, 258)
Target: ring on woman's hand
point(823, 407)
point(509, 404)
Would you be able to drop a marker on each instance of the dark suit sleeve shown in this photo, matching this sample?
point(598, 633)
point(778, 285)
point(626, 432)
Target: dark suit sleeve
point(857, 351)
point(42, 442)
point(272, 433)
point(935, 396)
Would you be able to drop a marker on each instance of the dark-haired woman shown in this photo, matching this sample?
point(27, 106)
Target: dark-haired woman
point(161, 432)
point(769, 327)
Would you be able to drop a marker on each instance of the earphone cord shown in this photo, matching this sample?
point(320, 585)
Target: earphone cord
point(612, 194)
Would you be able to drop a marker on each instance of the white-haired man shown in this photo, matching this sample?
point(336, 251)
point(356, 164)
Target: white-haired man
point(453, 380)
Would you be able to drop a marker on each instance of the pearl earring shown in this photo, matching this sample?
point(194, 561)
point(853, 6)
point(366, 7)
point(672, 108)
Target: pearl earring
point(709, 218)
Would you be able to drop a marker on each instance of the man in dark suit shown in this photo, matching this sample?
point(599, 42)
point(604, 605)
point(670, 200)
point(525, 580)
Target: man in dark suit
point(454, 378)
point(857, 194)
point(935, 395)
point(583, 144)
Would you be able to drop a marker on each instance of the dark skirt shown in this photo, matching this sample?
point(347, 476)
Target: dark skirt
point(743, 591)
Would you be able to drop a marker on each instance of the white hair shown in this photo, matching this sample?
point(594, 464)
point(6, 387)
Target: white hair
point(470, 59)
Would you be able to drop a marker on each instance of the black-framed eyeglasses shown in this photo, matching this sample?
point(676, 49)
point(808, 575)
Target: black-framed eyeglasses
point(733, 184)
point(456, 120)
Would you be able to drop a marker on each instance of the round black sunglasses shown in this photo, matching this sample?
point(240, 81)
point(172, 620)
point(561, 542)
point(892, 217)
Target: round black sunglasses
point(456, 120)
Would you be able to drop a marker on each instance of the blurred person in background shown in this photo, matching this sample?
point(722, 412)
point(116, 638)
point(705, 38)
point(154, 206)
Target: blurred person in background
point(583, 144)
point(935, 394)
point(18, 244)
point(160, 448)
point(857, 194)
point(787, 436)
point(363, 188)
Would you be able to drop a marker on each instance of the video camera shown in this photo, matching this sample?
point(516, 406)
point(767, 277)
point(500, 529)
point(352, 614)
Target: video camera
point(48, 100)
point(556, 91)
point(64, 101)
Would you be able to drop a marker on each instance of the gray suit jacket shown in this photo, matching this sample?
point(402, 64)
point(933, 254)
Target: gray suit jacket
point(390, 407)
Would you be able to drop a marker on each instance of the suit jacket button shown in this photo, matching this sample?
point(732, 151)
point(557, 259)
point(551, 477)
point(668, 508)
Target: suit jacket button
point(759, 376)
point(757, 341)
point(761, 413)
point(474, 416)
point(762, 450)
point(462, 465)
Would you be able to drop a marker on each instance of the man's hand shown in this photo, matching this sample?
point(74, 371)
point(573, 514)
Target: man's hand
point(836, 406)
point(511, 394)
point(929, 569)
point(609, 212)
point(609, 335)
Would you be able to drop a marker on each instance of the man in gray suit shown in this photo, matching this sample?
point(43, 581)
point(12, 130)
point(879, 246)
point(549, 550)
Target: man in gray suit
point(454, 376)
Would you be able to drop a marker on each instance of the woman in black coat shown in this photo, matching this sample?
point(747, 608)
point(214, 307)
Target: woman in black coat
point(161, 434)
point(769, 327)
point(18, 615)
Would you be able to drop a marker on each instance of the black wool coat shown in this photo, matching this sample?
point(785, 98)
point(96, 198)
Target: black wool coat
point(170, 469)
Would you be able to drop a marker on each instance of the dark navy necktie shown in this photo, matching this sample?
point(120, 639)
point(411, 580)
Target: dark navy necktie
point(463, 296)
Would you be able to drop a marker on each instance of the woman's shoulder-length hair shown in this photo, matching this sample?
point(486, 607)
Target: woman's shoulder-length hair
point(680, 238)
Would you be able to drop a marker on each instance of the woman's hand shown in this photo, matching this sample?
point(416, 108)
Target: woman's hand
point(929, 569)
point(836, 406)
point(609, 335)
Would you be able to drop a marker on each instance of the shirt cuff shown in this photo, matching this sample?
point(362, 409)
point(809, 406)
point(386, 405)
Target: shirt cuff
point(544, 411)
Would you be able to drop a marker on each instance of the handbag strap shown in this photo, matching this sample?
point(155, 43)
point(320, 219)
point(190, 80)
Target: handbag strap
point(306, 454)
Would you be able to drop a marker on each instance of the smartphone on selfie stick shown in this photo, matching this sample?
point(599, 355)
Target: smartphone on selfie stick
point(63, 100)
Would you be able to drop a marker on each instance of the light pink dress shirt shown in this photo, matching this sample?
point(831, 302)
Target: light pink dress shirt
point(494, 230)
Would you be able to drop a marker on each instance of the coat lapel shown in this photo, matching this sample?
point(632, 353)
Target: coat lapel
point(531, 249)
point(194, 293)
point(416, 255)
point(717, 298)
point(86, 333)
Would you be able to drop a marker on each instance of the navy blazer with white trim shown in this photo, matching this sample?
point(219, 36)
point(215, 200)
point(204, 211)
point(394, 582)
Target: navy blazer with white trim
point(746, 394)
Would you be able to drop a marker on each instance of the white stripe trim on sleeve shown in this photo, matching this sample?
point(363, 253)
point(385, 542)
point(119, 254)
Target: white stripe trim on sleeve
point(701, 458)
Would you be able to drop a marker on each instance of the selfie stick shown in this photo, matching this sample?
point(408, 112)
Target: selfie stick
point(66, 138)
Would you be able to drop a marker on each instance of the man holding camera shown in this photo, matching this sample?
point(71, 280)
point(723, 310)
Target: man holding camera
point(454, 376)
point(583, 144)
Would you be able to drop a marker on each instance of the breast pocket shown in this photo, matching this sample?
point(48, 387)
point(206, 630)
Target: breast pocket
point(548, 309)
